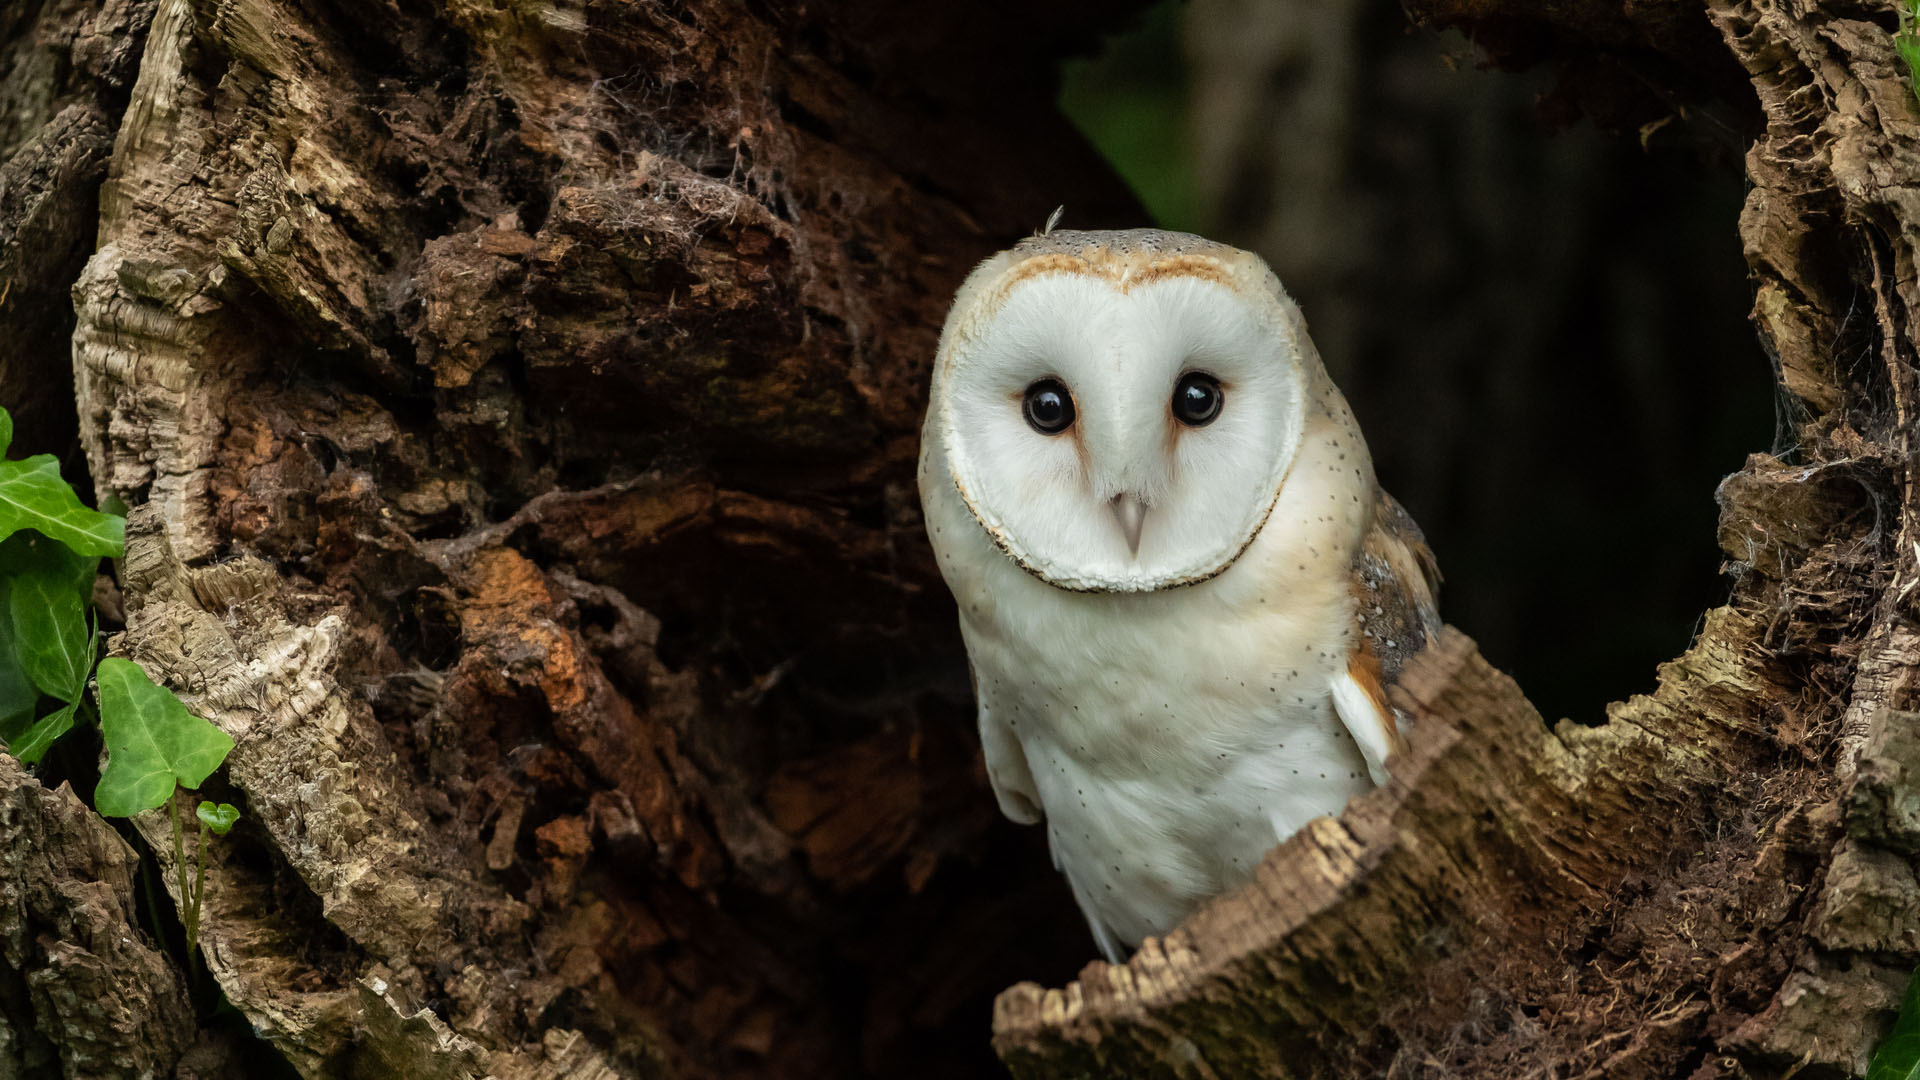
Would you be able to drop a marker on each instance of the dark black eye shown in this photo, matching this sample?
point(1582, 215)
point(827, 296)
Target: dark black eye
point(1048, 407)
point(1197, 398)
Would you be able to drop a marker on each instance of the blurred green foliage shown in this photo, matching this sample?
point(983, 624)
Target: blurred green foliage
point(1131, 102)
point(1898, 1057)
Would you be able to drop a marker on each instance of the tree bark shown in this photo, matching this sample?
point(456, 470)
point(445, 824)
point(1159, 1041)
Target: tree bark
point(516, 407)
point(516, 410)
point(1719, 881)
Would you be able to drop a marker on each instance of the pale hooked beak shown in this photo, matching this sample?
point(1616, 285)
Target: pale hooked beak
point(1131, 513)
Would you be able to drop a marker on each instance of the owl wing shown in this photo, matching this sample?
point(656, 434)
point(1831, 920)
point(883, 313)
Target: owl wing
point(1395, 580)
point(1007, 770)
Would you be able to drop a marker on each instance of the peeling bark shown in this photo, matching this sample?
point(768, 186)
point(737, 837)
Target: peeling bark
point(65, 69)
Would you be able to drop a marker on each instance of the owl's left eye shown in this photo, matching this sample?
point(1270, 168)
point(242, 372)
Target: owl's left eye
point(1197, 399)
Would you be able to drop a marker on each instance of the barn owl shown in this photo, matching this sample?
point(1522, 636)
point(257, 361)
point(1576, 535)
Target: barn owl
point(1180, 587)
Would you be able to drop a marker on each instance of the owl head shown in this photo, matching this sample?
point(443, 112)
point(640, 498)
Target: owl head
point(1119, 410)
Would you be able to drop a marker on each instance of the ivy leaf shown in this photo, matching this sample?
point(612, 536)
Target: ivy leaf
point(29, 748)
point(1898, 1058)
point(6, 430)
point(30, 553)
point(153, 742)
point(17, 694)
point(1907, 44)
point(50, 634)
point(218, 819)
point(33, 496)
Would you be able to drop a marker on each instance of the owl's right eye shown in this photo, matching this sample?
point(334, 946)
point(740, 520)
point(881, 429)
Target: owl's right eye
point(1048, 407)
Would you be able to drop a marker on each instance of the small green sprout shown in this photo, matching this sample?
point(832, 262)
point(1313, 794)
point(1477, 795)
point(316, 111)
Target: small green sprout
point(218, 819)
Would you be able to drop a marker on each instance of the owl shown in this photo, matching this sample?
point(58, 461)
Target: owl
point(1181, 589)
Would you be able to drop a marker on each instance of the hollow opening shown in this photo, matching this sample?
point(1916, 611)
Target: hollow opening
point(1543, 331)
point(1542, 326)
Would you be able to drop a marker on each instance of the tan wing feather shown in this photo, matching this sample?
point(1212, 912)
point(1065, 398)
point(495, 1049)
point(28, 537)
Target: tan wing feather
point(1395, 582)
point(1396, 585)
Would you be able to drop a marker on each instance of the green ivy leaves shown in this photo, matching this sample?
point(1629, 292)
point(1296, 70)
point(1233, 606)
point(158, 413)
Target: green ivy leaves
point(52, 640)
point(50, 549)
point(1906, 42)
point(50, 552)
point(153, 742)
point(1898, 1058)
point(46, 642)
point(32, 496)
point(32, 745)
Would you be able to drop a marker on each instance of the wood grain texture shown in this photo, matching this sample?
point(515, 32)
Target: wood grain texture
point(84, 991)
point(516, 408)
point(1498, 844)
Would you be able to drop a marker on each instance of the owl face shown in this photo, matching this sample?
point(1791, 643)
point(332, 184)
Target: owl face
point(1118, 410)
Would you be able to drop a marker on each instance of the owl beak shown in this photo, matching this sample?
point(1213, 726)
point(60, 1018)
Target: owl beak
point(1131, 513)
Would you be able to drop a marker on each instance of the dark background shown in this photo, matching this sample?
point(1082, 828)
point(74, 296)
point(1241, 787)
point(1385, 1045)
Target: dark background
point(1543, 326)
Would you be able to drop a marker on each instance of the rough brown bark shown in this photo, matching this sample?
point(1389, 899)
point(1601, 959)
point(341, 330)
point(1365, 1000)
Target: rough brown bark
point(1718, 882)
point(516, 406)
point(102, 999)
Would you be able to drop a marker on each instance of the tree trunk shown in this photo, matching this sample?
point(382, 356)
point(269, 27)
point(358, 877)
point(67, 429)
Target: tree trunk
point(516, 407)
point(1719, 881)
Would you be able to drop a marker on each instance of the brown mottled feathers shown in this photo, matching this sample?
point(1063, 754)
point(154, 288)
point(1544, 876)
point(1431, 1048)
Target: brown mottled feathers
point(1395, 582)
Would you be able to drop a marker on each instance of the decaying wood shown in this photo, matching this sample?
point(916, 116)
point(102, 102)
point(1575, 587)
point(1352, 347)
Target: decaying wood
point(1718, 881)
point(516, 411)
point(1443, 906)
point(65, 69)
point(515, 405)
point(84, 992)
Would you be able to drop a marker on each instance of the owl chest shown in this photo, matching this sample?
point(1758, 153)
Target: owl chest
point(1159, 684)
point(1160, 701)
point(1171, 745)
